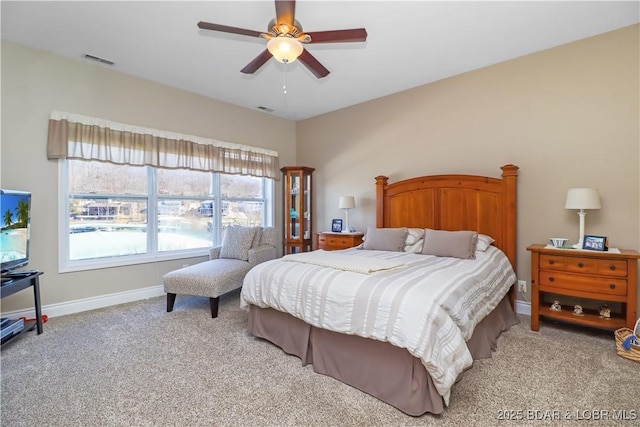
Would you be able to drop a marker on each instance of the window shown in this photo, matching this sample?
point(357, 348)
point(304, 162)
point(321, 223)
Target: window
point(119, 214)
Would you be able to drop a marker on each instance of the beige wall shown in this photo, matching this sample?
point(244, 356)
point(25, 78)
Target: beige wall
point(35, 83)
point(568, 117)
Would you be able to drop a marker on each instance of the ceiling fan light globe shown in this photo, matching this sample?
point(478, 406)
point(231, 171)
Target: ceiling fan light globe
point(284, 49)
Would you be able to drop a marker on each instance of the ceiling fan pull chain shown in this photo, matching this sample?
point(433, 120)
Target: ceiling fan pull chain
point(284, 79)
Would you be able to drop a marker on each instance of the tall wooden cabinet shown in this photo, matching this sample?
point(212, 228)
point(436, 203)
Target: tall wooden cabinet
point(297, 209)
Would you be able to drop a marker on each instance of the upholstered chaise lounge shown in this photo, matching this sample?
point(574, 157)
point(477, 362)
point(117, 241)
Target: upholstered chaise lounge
point(242, 248)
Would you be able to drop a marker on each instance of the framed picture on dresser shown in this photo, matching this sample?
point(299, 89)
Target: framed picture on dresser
point(336, 225)
point(595, 243)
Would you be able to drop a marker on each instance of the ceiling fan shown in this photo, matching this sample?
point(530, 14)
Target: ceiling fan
point(286, 38)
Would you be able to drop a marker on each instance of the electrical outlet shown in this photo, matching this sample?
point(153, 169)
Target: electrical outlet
point(522, 286)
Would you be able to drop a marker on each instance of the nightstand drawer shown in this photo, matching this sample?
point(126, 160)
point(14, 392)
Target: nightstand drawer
point(336, 241)
point(577, 282)
point(617, 268)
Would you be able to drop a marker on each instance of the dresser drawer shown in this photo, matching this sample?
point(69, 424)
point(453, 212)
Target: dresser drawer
point(605, 267)
point(577, 282)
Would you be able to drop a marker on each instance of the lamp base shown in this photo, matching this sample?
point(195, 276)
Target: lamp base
point(581, 214)
point(346, 222)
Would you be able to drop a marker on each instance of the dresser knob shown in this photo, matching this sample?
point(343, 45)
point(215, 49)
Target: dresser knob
point(551, 261)
point(580, 265)
point(612, 267)
point(551, 279)
point(612, 286)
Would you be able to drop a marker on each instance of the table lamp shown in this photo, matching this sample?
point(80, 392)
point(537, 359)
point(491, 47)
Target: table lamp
point(346, 202)
point(582, 198)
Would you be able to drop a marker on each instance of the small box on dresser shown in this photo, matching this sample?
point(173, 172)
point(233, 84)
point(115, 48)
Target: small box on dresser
point(596, 277)
point(335, 241)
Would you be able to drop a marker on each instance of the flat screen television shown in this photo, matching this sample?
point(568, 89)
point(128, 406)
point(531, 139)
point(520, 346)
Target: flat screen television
point(15, 207)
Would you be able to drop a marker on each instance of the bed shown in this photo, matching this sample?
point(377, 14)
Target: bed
point(389, 342)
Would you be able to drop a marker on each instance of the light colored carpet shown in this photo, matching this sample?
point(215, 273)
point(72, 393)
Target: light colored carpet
point(137, 365)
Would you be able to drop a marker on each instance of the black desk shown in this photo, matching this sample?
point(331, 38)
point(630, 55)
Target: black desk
point(18, 284)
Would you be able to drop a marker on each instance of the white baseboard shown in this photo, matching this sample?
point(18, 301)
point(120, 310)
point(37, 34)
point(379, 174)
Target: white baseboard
point(523, 307)
point(77, 306)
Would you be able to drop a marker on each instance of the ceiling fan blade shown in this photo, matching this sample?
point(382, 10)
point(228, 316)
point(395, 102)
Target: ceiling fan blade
point(257, 62)
point(313, 64)
point(338, 36)
point(285, 12)
point(226, 29)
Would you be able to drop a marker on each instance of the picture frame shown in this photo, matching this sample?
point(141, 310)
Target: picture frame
point(336, 225)
point(595, 243)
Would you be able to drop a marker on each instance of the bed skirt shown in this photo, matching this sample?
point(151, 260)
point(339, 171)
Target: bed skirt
point(380, 369)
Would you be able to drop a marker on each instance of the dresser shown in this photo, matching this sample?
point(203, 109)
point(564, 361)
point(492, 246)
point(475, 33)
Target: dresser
point(334, 241)
point(590, 277)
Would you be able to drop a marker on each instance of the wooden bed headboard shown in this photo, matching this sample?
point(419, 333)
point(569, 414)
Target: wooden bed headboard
point(453, 202)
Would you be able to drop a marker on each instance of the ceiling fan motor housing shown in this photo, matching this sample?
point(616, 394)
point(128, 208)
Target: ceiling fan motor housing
point(277, 29)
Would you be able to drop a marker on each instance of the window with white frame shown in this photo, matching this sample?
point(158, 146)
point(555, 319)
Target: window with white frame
point(120, 214)
point(132, 194)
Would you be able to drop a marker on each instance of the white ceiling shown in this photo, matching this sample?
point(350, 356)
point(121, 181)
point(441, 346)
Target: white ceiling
point(409, 44)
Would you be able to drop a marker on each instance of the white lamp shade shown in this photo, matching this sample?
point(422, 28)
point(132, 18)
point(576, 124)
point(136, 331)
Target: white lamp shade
point(285, 49)
point(582, 198)
point(347, 202)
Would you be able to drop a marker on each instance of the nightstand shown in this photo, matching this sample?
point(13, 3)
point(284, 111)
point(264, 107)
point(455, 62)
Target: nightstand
point(334, 241)
point(595, 277)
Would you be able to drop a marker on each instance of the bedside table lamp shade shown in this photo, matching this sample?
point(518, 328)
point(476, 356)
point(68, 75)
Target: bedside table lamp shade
point(582, 198)
point(347, 202)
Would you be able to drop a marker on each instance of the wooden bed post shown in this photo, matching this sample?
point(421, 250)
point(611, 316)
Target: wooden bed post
point(381, 182)
point(509, 174)
point(510, 189)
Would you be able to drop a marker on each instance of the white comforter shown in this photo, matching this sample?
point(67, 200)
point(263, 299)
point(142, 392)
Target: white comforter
point(430, 306)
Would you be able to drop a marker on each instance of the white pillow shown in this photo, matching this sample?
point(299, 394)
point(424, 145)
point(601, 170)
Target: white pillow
point(415, 239)
point(414, 234)
point(484, 242)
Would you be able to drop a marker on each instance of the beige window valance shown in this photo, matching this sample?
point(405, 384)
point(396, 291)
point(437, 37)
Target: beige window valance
point(73, 136)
